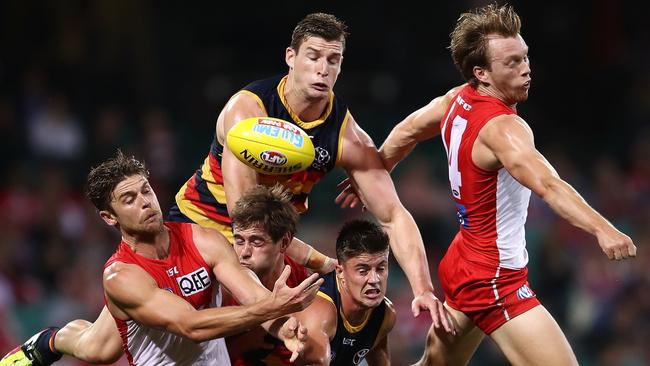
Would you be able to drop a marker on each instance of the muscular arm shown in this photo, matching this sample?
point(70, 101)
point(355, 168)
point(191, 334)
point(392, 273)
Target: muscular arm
point(508, 141)
point(377, 192)
point(320, 319)
point(420, 125)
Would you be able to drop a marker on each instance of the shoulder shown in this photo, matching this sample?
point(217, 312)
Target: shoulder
point(119, 277)
point(321, 314)
point(504, 127)
point(209, 242)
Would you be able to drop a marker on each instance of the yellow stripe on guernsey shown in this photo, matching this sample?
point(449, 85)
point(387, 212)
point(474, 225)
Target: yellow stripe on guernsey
point(299, 122)
point(325, 296)
point(257, 99)
point(216, 190)
point(198, 216)
point(383, 330)
point(352, 328)
point(339, 151)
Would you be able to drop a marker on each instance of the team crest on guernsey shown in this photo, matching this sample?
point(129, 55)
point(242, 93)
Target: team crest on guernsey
point(321, 158)
point(358, 357)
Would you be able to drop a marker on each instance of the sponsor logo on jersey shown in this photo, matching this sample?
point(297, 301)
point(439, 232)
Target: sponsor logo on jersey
point(461, 214)
point(194, 282)
point(266, 168)
point(279, 130)
point(348, 341)
point(524, 292)
point(358, 357)
point(172, 271)
point(272, 157)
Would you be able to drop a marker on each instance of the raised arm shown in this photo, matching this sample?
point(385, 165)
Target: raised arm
point(508, 141)
point(423, 124)
point(375, 188)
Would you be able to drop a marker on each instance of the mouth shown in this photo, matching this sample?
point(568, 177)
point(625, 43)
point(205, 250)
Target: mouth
point(151, 217)
point(320, 86)
point(372, 293)
point(527, 84)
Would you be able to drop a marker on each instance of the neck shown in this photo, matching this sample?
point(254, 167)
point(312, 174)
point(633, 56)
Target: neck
point(153, 246)
point(268, 279)
point(354, 312)
point(307, 110)
point(495, 93)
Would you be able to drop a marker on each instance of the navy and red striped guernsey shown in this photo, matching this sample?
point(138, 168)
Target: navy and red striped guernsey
point(202, 198)
point(185, 274)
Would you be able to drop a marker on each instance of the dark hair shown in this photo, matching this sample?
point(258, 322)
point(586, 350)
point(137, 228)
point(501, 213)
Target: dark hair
point(325, 26)
point(358, 237)
point(469, 39)
point(103, 179)
point(267, 207)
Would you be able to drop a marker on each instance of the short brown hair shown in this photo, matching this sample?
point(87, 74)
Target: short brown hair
point(325, 26)
point(103, 179)
point(469, 39)
point(267, 207)
point(358, 237)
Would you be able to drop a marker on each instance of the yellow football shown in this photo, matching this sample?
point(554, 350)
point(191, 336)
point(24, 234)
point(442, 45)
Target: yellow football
point(271, 145)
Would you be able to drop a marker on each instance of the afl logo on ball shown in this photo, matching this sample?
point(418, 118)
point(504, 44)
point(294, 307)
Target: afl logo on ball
point(273, 157)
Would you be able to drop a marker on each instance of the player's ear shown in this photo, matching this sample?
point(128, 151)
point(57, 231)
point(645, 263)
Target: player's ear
point(108, 217)
point(480, 74)
point(285, 241)
point(290, 57)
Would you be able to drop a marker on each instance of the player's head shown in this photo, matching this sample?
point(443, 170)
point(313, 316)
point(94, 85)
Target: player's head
point(264, 222)
point(119, 188)
point(362, 251)
point(315, 54)
point(487, 48)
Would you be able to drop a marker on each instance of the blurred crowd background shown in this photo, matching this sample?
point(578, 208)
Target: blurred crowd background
point(79, 79)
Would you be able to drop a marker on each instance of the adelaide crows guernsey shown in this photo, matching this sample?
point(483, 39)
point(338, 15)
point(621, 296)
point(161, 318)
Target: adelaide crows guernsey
point(351, 344)
point(185, 274)
point(202, 198)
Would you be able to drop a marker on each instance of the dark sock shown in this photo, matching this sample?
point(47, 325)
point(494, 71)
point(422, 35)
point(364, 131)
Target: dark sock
point(46, 354)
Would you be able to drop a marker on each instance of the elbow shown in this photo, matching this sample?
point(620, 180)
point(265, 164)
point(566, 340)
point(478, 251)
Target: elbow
point(186, 330)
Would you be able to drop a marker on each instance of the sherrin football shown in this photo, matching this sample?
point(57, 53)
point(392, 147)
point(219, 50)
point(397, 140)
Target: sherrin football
point(271, 145)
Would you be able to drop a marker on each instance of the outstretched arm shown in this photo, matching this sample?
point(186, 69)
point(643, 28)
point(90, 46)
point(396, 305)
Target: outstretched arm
point(508, 140)
point(420, 125)
point(375, 188)
point(423, 124)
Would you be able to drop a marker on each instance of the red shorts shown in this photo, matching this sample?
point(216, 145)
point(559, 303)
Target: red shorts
point(488, 295)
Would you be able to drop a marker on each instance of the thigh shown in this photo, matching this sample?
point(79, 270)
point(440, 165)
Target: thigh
point(534, 338)
point(443, 348)
point(97, 342)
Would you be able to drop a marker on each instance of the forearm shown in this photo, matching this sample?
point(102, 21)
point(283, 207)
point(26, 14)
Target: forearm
point(567, 202)
point(309, 257)
point(408, 248)
point(399, 143)
point(225, 321)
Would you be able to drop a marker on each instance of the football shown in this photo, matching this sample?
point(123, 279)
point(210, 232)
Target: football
point(271, 145)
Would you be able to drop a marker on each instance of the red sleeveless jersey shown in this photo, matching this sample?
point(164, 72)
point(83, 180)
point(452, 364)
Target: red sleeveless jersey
point(491, 205)
point(185, 274)
point(279, 354)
